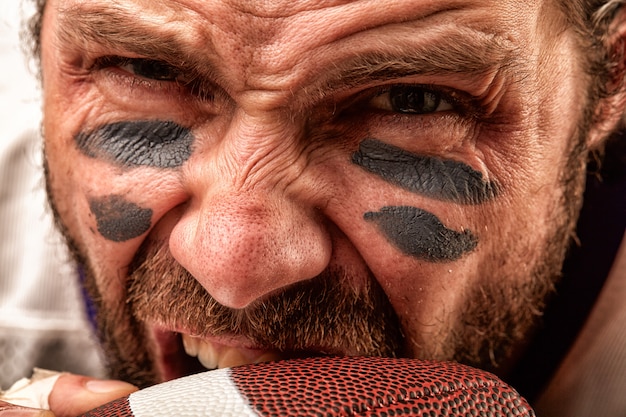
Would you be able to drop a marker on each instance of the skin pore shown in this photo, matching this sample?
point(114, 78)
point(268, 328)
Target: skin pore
point(302, 178)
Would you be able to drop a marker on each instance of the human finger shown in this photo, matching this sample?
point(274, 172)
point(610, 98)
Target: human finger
point(75, 394)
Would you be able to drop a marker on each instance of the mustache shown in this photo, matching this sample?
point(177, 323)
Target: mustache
point(325, 314)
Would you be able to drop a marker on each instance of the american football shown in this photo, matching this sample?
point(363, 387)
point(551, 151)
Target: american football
point(328, 386)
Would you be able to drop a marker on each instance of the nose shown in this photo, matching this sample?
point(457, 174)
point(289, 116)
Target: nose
point(250, 227)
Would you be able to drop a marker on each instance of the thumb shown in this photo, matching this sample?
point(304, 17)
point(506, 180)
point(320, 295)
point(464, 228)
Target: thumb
point(74, 394)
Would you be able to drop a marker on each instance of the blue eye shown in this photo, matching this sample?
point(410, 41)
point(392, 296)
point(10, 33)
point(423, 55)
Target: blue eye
point(411, 100)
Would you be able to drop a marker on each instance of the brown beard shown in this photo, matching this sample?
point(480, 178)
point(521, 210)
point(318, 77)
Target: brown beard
point(322, 316)
point(497, 320)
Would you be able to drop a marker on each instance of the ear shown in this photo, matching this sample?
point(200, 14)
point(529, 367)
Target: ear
point(611, 110)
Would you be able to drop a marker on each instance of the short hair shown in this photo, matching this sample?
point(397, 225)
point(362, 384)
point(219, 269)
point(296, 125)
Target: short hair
point(591, 20)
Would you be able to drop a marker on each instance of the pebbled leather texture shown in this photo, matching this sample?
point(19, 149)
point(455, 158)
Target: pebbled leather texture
point(328, 386)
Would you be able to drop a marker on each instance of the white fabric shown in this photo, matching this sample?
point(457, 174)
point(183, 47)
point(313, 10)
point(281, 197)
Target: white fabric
point(42, 320)
point(210, 393)
point(33, 392)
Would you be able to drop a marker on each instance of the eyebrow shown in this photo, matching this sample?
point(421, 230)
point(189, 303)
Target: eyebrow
point(461, 51)
point(453, 51)
point(116, 28)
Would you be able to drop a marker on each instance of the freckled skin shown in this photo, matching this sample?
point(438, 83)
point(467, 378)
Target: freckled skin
point(436, 178)
point(155, 143)
point(421, 234)
point(274, 194)
point(120, 220)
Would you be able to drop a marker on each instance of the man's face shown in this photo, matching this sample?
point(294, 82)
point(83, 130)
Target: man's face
point(262, 180)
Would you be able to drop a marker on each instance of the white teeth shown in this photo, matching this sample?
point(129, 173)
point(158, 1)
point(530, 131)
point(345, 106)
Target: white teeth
point(213, 356)
point(207, 356)
point(191, 345)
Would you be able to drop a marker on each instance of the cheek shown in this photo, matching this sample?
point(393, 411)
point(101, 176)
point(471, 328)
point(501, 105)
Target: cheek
point(391, 225)
point(424, 252)
point(107, 211)
point(408, 242)
point(420, 234)
point(119, 220)
point(155, 143)
point(440, 179)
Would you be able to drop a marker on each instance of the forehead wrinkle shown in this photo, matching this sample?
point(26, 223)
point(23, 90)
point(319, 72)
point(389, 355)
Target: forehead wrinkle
point(315, 32)
point(460, 51)
point(282, 9)
point(442, 51)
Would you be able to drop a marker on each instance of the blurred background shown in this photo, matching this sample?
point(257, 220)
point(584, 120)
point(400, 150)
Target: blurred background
point(42, 316)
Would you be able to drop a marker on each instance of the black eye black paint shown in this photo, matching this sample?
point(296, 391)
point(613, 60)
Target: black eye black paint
point(436, 178)
point(421, 234)
point(120, 220)
point(154, 143)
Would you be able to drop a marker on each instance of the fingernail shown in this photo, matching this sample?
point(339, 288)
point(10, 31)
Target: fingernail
point(101, 386)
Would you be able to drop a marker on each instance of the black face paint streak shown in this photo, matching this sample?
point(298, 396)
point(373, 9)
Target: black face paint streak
point(154, 143)
point(440, 179)
point(421, 234)
point(120, 220)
